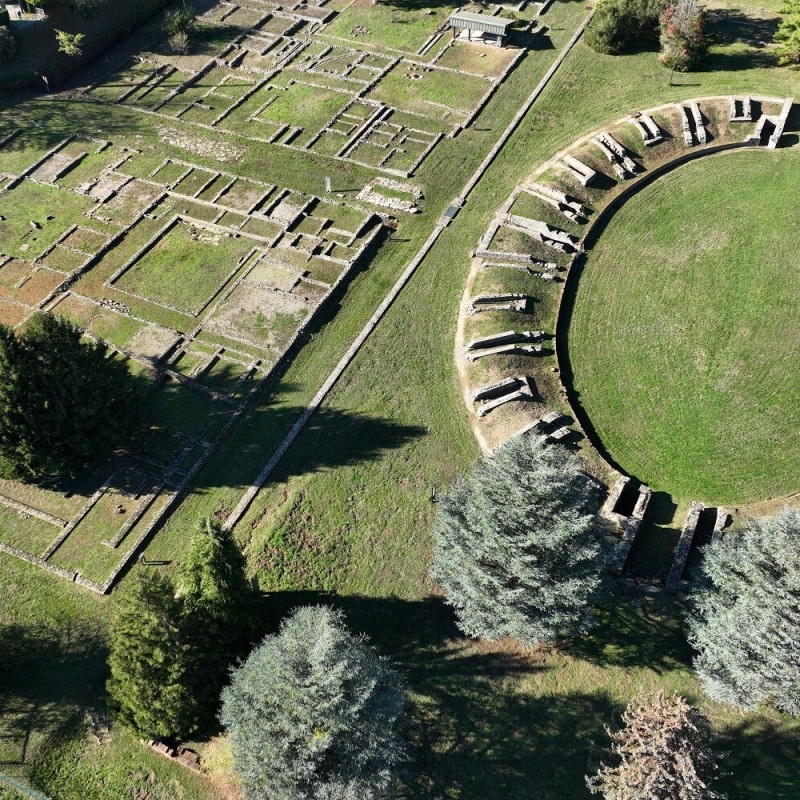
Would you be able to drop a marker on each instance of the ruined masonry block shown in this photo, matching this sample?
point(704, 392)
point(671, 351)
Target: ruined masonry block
point(506, 337)
point(505, 349)
point(741, 110)
point(648, 128)
point(560, 434)
point(571, 208)
point(684, 545)
point(585, 175)
point(699, 128)
point(498, 388)
point(614, 495)
point(520, 394)
point(688, 139)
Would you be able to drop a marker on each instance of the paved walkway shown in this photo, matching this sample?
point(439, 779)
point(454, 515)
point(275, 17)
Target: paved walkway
point(344, 362)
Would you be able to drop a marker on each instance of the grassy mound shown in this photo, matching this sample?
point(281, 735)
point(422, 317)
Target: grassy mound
point(685, 330)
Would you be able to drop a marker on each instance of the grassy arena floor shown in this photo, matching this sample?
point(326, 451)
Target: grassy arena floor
point(685, 331)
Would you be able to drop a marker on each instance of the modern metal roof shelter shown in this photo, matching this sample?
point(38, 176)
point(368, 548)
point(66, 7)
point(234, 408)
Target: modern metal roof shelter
point(481, 24)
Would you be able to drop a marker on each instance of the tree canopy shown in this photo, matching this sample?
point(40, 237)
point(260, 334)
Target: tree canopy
point(746, 625)
point(62, 399)
point(150, 665)
point(617, 24)
point(683, 42)
point(787, 36)
point(70, 44)
point(517, 550)
point(660, 754)
point(172, 646)
point(216, 607)
point(313, 714)
point(8, 44)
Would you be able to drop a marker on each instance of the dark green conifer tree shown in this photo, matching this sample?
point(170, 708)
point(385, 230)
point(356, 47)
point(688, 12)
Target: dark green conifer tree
point(150, 687)
point(62, 399)
point(217, 610)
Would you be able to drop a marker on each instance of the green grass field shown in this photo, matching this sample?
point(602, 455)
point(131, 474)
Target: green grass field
point(184, 268)
point(349, 510)
point(437, 94)
point(384, 25)
point(684, 331)
point(304, 106)
point(51, 209)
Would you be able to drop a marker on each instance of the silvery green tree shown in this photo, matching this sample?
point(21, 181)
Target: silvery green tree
point(313, 714)
point(517, 547)
point(746, 625)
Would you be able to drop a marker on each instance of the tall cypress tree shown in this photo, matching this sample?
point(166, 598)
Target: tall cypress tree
point(217, 609)
point(746, 625)
point(312, 714)
point(150, 665)
point(62, 399)
point(517, 551)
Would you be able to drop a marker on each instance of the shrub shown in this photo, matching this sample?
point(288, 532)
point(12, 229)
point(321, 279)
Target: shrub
point(660, 754)
point(607, 32)
point(517, 550)
point(179, 20)
point(85, 8)
point(312, 714)
point(70, 44)
point(179, 42)
point(683, 43)
point(746, 625)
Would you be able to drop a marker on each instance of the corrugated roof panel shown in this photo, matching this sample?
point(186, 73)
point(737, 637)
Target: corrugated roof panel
point(479, 22)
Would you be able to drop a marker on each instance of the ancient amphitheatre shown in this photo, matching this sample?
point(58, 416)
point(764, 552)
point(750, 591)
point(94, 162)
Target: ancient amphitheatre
point(659, 240)
point(148, 161)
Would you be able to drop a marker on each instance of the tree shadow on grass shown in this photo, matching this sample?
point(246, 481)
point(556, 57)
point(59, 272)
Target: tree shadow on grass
point(339, 439)
point(726, 26)
point(760, 748)
point(416, 5)
point(45, 675)
point(739, 61)
point(493, 721)
point(637, 631)
point(746, 39)
point(51, 121)
point(654, 548)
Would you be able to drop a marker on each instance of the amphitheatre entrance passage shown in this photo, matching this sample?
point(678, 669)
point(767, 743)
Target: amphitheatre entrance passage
point(684, 336)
